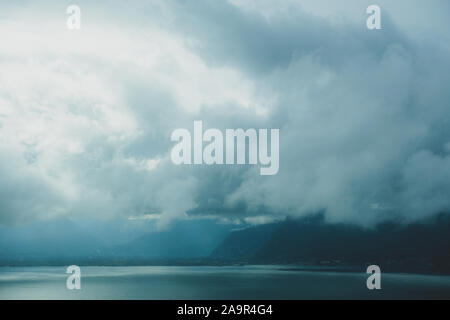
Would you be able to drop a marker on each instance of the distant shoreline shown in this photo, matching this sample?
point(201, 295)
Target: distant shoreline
point(307, 267)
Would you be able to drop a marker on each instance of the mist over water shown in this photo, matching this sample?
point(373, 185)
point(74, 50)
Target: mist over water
point(246, 282)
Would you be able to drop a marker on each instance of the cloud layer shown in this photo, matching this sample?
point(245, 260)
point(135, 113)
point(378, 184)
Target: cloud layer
point(86, 116)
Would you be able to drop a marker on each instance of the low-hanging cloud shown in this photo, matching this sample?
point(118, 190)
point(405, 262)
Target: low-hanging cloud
point(86, 116)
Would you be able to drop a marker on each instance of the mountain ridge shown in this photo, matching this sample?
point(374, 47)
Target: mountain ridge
point(423, 246)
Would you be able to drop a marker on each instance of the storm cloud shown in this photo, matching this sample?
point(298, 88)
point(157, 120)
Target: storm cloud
point(86, 116)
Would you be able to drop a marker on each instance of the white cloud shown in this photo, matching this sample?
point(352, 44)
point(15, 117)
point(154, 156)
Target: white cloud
point(85, 117)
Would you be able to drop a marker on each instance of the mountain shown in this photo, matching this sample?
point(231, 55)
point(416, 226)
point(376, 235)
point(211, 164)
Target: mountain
point(184, 240)
point(417, 247)
point(45, 240)
point(64, 241)
point(423, 246)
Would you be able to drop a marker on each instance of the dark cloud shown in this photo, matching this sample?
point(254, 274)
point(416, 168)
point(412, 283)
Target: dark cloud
point(363, 115)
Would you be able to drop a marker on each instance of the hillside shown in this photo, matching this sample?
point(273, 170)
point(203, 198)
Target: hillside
point(422, 246)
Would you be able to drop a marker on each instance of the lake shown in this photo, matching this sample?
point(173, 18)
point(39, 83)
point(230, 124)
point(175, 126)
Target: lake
point(236, 282)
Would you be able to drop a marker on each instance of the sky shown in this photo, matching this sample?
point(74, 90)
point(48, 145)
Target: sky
point(86, 115)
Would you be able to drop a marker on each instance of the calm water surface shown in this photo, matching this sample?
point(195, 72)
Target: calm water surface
point(247, 282)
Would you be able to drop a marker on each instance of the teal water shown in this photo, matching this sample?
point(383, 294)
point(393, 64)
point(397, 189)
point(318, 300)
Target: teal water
point(246, 282)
